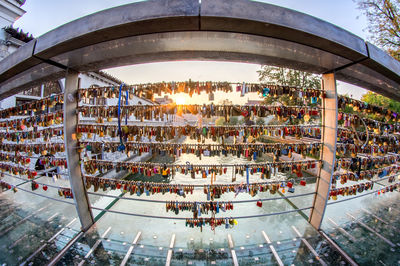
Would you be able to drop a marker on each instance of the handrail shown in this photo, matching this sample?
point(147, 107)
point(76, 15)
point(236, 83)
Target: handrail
point(200, 202)
point(184, 218)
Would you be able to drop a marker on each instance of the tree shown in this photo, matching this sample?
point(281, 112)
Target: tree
point(260, 121)
point(220, 121)
point(384, 23)
point(377, 99)
point(289, 77)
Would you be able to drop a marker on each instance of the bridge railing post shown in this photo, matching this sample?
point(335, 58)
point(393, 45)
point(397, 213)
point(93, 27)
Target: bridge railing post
point(328, 154)
point(71, 147)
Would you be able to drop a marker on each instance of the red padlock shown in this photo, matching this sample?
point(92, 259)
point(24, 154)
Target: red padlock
point(303, 182)
point(35, 185)
point(45, 187)
point(289, 184)
point(259, 203)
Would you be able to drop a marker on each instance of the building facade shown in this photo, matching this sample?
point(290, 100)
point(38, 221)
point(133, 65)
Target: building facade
point(11, 39)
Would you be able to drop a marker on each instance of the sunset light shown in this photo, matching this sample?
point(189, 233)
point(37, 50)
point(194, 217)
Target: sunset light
point(180, 100)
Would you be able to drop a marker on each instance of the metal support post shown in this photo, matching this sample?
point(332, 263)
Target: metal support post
point(271, 247)
point(95, 246)
point(3, 232)
point(341, 251)
point(329, 136)
point(233, 252)
point(371, 230)
point(71, 144)
point(170, 251)
point(47, 243)
point(373, 215)
point(344, 232)
point(310, 248)
point(133, 245)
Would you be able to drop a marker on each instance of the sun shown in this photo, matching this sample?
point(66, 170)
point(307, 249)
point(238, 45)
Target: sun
point(180, 100)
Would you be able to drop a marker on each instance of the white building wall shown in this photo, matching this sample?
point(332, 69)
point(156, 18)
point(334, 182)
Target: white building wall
point(10, 11)
point(8, 102)
point(87, 80)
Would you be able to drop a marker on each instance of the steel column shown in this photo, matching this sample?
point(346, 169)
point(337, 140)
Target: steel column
point(233, 252)
point(71, 144)
point(310, 248)
point(344, 232)
point(95, 246)
point(170, 251)
point(272, 248)
point(338, 249)
point(133, 245)
point(371, 230)
point(329, 136)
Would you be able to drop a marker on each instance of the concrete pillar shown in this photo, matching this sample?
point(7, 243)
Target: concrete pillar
point(329, 136)
point(71, 144)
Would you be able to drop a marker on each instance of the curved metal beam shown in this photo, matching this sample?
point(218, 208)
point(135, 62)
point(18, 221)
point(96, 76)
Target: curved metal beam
point(311, 44)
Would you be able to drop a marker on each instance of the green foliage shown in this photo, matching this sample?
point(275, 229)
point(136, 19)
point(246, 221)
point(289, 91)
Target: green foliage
point(260, 121)
point(220, 121)
point(283, 99)
point(349, 110)
point(376, 99)
point(234, 120)
point(384, 23)
point(289, 77)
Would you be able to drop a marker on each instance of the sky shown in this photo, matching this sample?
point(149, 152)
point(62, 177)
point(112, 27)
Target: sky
point(44, 15)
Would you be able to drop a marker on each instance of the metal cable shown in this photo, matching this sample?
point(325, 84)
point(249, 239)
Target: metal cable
point(251, 165)
point(135, 143)
point(34, 180)
point(47, 197)
point(195, 185)
point(200, 202)
point(196, 105)
point(373, 181)
point(358, 196)
point(183, 218)
point(363, 171)
point(206, 126)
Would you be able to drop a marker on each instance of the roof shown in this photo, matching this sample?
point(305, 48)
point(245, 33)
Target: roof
point(18, 34)
point(254, 102)
point(167, 30)
point(108, 76)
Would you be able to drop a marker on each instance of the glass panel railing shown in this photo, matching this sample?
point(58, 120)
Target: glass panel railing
point(33, 226)
point(366, 226)
point(294, 241)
